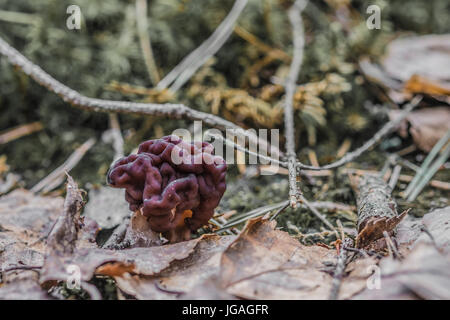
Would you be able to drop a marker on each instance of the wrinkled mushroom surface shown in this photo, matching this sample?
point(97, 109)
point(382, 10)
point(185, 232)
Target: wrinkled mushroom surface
point(169, 180)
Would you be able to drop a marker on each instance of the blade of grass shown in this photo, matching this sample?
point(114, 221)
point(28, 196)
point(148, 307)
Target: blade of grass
point(423, 168)
point(430, 173)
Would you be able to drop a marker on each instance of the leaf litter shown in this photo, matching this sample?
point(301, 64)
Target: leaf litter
point(262, 262)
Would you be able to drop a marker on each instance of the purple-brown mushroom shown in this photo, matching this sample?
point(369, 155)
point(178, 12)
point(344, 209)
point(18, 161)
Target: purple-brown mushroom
point(174, 184)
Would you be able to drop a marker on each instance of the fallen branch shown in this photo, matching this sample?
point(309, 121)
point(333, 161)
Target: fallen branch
point(170, 110)
point(377, 210)
point(71, 96)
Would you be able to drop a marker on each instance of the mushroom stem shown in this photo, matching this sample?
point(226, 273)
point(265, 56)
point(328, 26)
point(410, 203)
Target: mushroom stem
point(181, 232)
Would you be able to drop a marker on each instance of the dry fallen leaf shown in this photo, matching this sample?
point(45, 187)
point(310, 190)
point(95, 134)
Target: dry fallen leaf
point(23, 290)
point(427, 56)
point(427, 126)
point(265, 263)
point(437, 223)
point(182, 275)
point(425, 273)
point(25, 221)
point(107, 206)
point(413, 65)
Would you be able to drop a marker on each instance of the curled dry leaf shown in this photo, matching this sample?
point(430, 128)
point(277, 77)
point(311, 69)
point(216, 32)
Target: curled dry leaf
point(426, 126)
point(144, 261)
point(70, 233)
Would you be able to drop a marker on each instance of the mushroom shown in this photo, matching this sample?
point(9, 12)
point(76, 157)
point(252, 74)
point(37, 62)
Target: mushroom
point(173, 184)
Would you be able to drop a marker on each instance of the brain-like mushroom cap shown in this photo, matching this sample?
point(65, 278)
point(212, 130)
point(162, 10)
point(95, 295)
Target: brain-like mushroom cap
point(168, 176)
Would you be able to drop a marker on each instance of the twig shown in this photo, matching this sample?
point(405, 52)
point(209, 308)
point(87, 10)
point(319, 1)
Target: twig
point(251, 153)
point(237, 219)
point(299, 42)
point(71, 96)
point(390, 245)
point(340, 268)
point(20, 268)
point(384, 131)
point(55, 178)
point(281, 206)
point(186, 68)
point(20, 131)
point(170, 110)
point(279, 211)
point(117, 236)
point(144, 39)
point(316, 212)
point(394, 177)
point(19, 17)
point(116, 135)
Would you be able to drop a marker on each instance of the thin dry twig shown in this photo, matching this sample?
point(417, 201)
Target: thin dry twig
point(55, 178)
point(384, 131)
point(394, 177)
point(299, 42)
point(316, 212)
point(144, 39)
point(190, 64)
point(73, 97)
point(20, 131)
point(170, 110)
point(340, 268)
point(116, 135)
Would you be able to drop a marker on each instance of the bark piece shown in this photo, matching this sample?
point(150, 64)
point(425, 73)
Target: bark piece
point(377, 210)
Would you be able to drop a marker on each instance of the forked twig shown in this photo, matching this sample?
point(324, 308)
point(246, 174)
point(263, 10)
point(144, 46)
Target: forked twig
point(73, 97)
